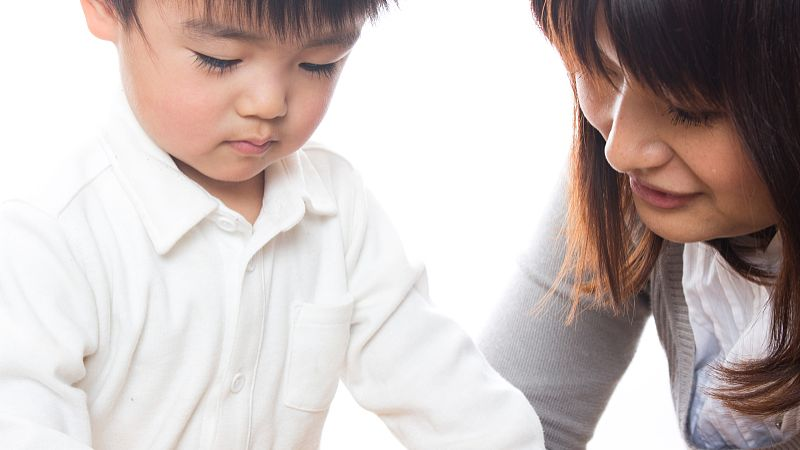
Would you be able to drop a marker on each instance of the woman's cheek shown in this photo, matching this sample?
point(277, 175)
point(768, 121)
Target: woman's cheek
point(593, 104)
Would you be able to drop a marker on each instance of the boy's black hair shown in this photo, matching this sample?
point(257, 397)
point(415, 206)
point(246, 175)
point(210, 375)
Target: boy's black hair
point(286, 19)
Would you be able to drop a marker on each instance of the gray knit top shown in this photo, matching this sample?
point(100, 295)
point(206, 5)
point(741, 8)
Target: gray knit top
point(568, 372)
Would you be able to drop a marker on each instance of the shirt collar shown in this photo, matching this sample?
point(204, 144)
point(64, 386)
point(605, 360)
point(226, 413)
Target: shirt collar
point(170, 204)
point(299, 178)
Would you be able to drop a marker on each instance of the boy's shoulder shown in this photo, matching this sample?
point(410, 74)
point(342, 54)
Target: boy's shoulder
point(325, 171)
point(336, 172)
point(323, 158)
point(55, 191)
point(40, 218)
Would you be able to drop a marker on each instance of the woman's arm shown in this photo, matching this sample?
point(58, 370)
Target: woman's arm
point(567, 372)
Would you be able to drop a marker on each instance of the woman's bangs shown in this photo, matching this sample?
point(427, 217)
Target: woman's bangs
point(570, 26)
point(672, 47)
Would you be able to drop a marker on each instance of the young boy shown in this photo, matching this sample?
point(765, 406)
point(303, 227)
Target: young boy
point(200, 279)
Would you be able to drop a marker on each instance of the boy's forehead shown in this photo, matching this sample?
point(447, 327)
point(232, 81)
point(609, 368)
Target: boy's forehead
point(207, 28)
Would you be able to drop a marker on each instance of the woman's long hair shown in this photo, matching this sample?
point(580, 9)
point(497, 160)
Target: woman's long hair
point(740, 56)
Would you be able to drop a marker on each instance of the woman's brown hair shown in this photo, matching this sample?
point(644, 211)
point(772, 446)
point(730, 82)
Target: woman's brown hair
point(741, 57)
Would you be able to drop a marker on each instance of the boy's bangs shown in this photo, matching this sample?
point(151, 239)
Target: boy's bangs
point(289, 19)
point(283, 19)
point(673, 47)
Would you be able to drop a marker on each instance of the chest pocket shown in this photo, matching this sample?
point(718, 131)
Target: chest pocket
point(317, 348)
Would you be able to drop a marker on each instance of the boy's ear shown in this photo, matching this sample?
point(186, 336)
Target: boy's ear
point(101, 19)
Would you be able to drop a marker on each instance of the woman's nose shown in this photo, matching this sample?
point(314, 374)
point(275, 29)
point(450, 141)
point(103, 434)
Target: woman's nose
point(633, 142)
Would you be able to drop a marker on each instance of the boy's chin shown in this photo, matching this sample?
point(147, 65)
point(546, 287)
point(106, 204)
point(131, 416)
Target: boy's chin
point(233, 175)
point(241, 177)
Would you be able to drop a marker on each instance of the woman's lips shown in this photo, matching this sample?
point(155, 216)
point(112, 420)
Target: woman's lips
point(660, 199)
point(251, 148)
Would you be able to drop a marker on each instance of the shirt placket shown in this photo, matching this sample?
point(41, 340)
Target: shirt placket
point(247, 288)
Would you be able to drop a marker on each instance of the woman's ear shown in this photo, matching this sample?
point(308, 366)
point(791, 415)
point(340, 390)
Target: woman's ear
point(101, 19)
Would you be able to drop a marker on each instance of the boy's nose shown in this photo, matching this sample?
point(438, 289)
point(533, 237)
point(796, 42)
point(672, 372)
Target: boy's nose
point(265, 102)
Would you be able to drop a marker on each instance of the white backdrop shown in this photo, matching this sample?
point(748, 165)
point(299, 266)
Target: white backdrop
point(458, 114)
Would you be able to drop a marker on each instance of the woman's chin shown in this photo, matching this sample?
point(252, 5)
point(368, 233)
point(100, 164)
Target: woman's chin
point(681, 228)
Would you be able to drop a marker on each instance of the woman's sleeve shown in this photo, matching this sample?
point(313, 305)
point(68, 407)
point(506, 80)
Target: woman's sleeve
point(567, 372)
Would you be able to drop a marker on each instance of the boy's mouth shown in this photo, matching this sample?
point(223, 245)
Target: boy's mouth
point(251, 147)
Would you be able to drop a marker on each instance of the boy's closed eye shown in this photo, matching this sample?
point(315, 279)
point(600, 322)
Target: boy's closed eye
point(204, 31)
point(332, 48)
point(221, 66)
point(215, 65)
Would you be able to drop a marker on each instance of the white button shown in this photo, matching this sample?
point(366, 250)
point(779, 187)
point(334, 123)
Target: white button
point(251, 267)
point(238, 383)
point(226, 224)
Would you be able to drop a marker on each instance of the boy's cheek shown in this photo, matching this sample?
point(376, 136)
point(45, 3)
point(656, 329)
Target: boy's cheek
point(177, 123)
point(183, 106)
point(315, 102)
point(307, 118)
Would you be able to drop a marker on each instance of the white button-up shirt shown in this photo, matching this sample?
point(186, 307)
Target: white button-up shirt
point(138, 312)
point(731, 321)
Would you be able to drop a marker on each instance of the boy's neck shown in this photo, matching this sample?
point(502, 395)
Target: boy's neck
point(244, 197)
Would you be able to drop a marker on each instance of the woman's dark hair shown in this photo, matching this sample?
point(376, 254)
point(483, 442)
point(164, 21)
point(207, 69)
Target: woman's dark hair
point(286, 19)
point(741, 57)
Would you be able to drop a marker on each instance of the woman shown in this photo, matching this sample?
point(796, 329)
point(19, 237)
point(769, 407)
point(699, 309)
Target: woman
point(682, 203)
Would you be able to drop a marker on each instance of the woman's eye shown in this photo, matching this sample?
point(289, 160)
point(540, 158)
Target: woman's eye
point(215, 65)
point(322, 70)
point(690, 119)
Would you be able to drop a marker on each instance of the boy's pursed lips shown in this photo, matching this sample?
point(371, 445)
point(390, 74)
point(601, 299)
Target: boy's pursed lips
point(255, 146)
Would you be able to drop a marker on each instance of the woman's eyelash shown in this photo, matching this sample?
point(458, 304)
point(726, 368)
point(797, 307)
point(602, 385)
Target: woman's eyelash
point(323, 70)
point(691, 119)
point(215, 65)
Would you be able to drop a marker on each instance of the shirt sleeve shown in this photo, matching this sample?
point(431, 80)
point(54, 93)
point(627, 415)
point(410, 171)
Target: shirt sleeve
point(47, 326)
point(567, 372)
point(413, 367)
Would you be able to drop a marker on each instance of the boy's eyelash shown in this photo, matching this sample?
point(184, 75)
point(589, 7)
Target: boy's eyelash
point(215, 65)
point(221, 66)
point(690, 119)
point(322, 70)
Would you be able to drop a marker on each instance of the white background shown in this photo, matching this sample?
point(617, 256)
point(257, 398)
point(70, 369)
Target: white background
point(458, 114)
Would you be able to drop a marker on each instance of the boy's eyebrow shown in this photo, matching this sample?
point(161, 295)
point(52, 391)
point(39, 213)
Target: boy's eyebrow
point(346, 39)
point(207, 29)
